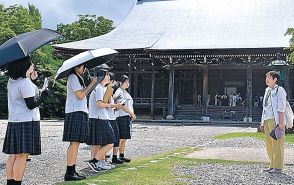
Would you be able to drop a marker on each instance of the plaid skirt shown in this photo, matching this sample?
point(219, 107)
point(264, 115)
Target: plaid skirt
point(23, 137)
point(101, 132)
point(124, 127)
point(76, 127)
point(116, 132)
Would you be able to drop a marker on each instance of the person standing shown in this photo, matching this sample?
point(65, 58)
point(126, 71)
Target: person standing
point(273, 115)
point(102, 136)
point(113, 123)
point(76, 128)
point(23, 129)
point(124, 115)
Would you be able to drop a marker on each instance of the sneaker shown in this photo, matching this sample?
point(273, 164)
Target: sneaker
point(103, 165)
point(93, 166)
point(275, 171)
point(116, 161)
point(109, 164)
point(126, 160)
point(267, 170)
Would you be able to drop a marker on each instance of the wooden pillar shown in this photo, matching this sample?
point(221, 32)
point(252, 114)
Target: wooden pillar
point(194, 87)
point(249, 89)
point(180, 87)
point(205, 90)
point(130, 75)
point(170, 110)
point(152, 92)
point(287, 83)
point(136, 85)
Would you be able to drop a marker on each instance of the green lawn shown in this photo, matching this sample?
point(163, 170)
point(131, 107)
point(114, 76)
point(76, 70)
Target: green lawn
point(142, 171)
point(289, 138)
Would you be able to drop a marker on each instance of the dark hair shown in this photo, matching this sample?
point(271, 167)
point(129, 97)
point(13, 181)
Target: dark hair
point(111, 76)
point(101, 73)
point(18, 68)
point(81, 80)
point(123, 78)
point(274, 74)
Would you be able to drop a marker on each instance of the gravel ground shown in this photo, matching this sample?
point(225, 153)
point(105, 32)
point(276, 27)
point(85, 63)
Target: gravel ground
point(249, 174)
point(49, 167)
point(147, 140)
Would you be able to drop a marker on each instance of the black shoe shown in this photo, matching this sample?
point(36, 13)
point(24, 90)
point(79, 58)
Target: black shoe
point(81, 176)
point(116, 161)
point(72, 177)
point(125, 160)
point(107, 156)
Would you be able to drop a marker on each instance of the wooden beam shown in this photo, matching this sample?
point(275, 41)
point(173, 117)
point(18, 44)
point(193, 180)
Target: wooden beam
point(205, 91)
point(170, 110)
point(152, 93)
point(249, 89)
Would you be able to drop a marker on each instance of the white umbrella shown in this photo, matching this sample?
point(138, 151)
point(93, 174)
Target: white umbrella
point(91, 58)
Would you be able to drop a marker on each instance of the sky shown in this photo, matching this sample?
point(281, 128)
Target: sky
point(65, 11)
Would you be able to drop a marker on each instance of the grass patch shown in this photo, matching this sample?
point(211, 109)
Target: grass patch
point(289, 138)
point(142, 171)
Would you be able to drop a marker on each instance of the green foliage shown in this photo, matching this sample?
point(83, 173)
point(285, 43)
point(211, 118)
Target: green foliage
point(87, 26)
point(17, 19)
point(290, 31)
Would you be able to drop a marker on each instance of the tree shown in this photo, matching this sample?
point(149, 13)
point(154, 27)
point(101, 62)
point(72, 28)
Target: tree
point(290, 32)
point(15, 20)
point(87, 26)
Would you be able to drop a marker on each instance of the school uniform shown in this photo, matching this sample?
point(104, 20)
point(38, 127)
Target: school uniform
point(23, 129)
point(101, 132)
point(112, 120)
point(76, 127)
point(123, 119)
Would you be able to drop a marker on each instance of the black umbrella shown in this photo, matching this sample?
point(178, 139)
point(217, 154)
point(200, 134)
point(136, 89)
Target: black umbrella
point(24, 44)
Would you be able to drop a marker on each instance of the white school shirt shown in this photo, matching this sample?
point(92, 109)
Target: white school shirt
point(124, 95)
point(111, 111)
point(94, 111)
point(17, 108)
point(73, 103)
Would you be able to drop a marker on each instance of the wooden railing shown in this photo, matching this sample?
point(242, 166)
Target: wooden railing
point(146, 102)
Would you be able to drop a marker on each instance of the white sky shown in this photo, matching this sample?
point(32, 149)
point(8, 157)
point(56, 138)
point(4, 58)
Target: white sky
point(65, 11)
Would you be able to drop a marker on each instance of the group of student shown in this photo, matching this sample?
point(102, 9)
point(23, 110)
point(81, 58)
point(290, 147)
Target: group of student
point(105, 124)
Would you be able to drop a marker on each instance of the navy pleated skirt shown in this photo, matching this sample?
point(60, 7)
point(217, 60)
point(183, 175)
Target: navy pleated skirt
point(101, 132)
point(23, 137)
point(76, 127)
point(116, 132)
point(124, 127)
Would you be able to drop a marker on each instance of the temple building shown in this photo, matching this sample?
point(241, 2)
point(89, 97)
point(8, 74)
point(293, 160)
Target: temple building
point(189, 59)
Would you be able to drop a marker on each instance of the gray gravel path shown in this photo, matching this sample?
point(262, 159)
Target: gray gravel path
point(220, 174)
point(49, 167)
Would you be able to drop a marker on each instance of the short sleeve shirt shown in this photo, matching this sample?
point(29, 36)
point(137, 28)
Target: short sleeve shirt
point(121, 95)
point(94, 111)
point(73, 103)
point(18, 90)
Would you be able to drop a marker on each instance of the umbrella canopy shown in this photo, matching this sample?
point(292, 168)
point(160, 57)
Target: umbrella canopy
point(24, 44)
point(91, 58)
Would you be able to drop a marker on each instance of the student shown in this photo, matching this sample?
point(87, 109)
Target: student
point(273, 115)
point(23, 129)
point(124, 116)
point(76, 128)
point(102, 136)
point(112, 119)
